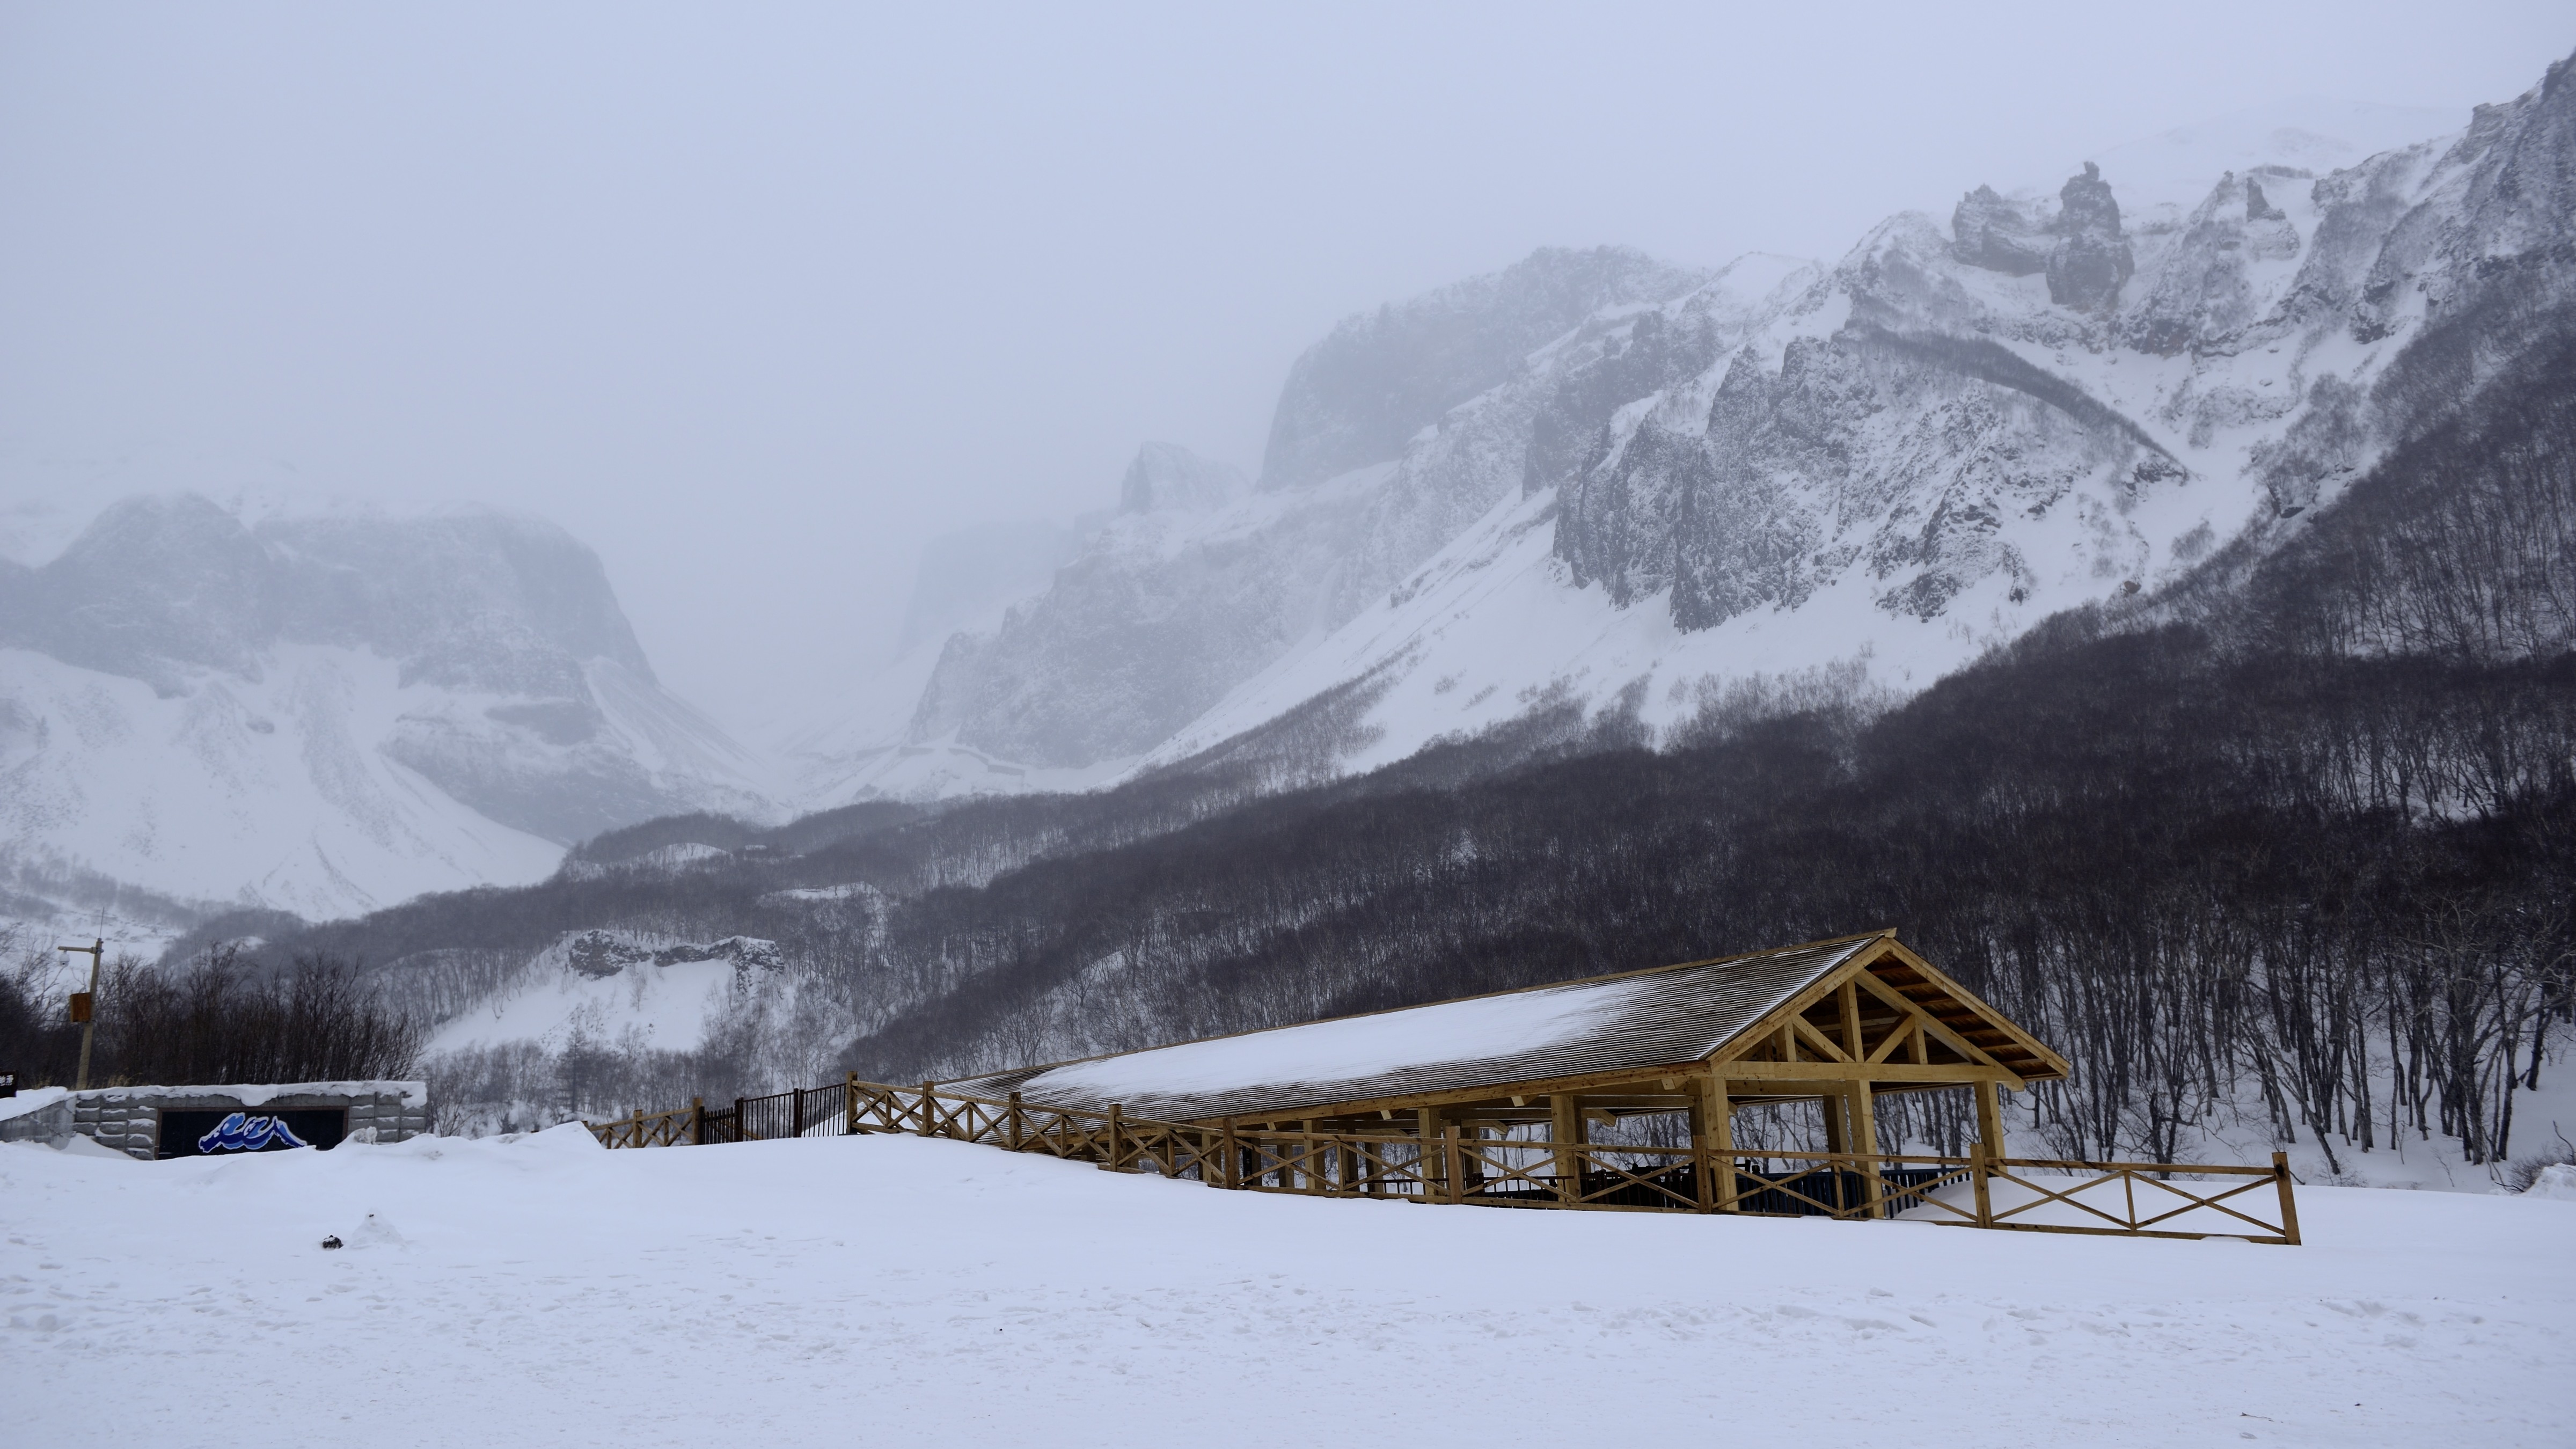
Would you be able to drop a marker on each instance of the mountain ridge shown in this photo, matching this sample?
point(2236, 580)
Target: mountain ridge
point(328, 714)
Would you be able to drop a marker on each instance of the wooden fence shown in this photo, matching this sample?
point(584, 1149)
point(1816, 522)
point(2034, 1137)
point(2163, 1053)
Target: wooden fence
point(2126, 1199)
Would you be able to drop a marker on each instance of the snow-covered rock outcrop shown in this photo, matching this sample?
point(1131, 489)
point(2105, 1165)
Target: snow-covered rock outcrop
point(1878, 468)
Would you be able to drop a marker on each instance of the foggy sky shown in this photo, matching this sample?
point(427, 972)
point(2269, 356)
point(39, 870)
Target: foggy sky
point(755, 300)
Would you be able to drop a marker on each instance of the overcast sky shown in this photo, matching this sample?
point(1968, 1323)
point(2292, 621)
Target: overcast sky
point(757, 298)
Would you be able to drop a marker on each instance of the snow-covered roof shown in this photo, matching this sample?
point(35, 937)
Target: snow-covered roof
point(254, 1094)
point(1639, 1019)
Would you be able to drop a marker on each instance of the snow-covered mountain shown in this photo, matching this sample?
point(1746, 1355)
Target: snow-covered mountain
point(1594, 480)
point(325, 715)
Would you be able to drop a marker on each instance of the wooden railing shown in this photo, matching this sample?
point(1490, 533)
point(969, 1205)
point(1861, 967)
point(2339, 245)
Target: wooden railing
point(2126, 1199)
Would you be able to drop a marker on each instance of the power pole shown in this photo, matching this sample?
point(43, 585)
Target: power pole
point(85, 1006)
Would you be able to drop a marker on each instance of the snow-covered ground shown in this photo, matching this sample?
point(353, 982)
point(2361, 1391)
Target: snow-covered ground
point(893, 1291)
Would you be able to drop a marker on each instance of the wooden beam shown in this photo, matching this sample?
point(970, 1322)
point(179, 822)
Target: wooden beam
point(1907, 1029)
point(1875, 945)
point(1587, 1083)
point(1848, 1000)
point(1932, 1024)
point(1959, 1075)
point(1969, 999)
point(1817, 1039)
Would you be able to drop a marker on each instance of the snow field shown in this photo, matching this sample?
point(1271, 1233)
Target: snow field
point(895, 1291)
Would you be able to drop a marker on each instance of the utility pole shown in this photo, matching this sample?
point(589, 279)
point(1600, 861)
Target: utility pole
point(85, 1006)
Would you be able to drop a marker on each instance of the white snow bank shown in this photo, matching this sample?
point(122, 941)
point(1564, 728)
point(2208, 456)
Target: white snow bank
point(2558, 1182)
point(900, 1291)
point(34, 1099)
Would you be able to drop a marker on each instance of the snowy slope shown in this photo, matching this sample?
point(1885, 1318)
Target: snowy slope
point(897, 1291)
point(327, 715)
point(617, 986)
point(267, 792)
point(1867, 473)
point(1187, 592)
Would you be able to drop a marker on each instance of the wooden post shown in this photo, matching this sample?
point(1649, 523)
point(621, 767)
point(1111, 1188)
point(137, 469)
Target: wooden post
point(697, 1121)
point(2289, 1208)
point(1721, 1142)
point(1703, 1170)
point(796, 1111)
point(85, 1005)
point(923, 1128)
point(1837, 1142)
point(1019, 1123)
point(1565, 1129)
point(1115, 1112)
point(850, 1104)
point(1864, 1120)
point(1450, 1171)
point(1978, 1158)
point(1233, 1177)
point(741, 1127)
point(1430, 1166)
point(1990, 1118)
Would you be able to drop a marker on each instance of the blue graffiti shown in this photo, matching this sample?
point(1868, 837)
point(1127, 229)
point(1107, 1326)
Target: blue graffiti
point(242, 1132)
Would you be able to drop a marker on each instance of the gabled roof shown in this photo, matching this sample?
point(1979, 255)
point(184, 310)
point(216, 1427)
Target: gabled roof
point(1638, 1019)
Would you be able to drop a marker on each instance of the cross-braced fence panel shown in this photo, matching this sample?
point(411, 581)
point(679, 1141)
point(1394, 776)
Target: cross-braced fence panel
point(2128, 1199)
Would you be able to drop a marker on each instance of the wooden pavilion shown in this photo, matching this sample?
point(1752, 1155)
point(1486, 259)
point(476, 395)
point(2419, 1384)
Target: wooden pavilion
point(1837, 1023)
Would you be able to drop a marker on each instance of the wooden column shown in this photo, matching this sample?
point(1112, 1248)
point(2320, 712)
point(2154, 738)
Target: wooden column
point(1990, 1146)
point(698, 1121)
point(1703, 1163)
point(1990, 1117)
point(2289, 1205)
point(1019, 1116)
point(927, 1114)
point(1310, 1158)
point(850, 1104)
point(1434, 1165)
point(1565, 1131)
point(1864, 1122)
point(1721, 1141)
point(1837, 1141)
point(1115, 1112)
